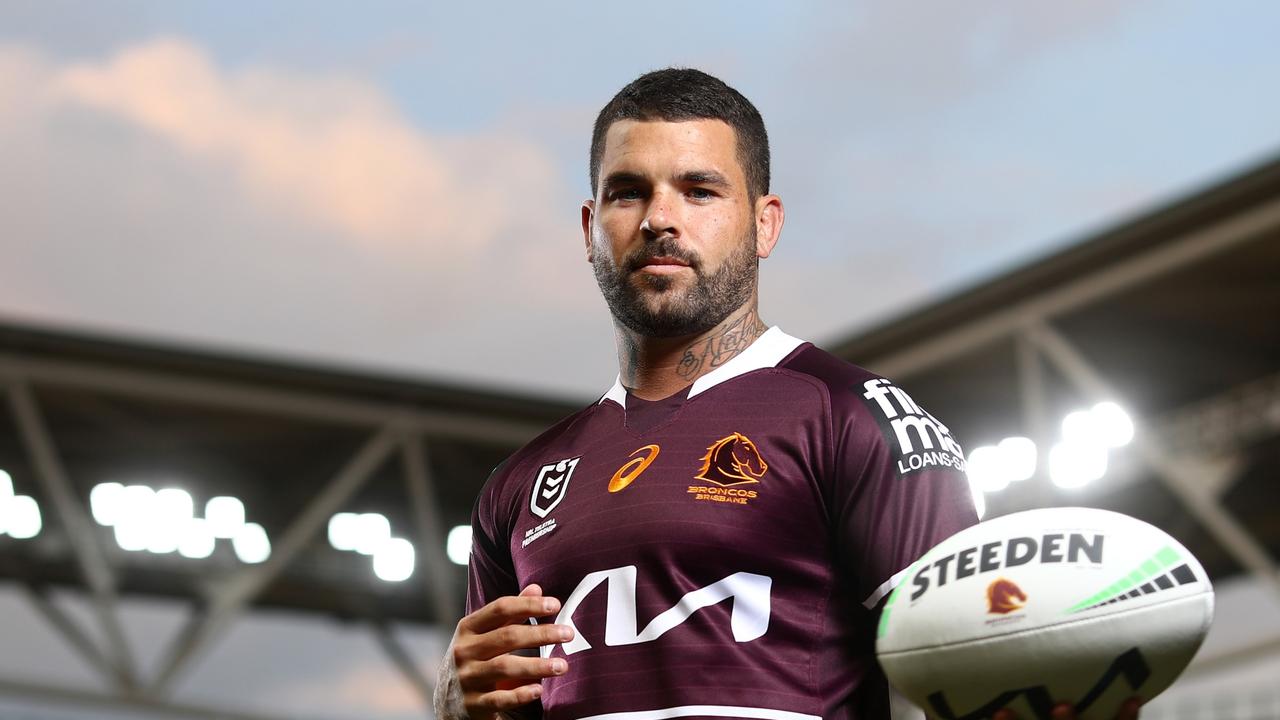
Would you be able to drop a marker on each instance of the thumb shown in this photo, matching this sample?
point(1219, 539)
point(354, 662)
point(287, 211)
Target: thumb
point(531, 590)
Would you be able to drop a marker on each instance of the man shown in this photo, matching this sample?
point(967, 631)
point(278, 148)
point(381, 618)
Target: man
point(728, 462)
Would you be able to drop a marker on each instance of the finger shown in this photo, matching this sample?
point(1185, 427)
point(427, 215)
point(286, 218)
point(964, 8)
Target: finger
point(1004, 715)
point(499, 700)
point(531, 590)
point(1063, 711)
point(1129, 710)
point(515, 637)
point(508, 610)
point(489, 673)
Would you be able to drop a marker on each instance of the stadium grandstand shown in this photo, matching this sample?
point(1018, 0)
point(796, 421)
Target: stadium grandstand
point(1137, 370)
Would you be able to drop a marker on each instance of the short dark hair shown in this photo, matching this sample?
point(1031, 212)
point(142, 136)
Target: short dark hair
point(679, 94)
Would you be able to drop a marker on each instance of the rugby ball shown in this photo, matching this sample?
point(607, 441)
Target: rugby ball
point(1040, 607)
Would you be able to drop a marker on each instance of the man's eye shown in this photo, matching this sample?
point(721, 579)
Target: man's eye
point(701, 194)
point(625, 194)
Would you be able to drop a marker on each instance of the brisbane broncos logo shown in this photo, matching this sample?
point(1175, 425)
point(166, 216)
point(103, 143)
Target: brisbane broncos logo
point(732, 460)
point(1004, 597)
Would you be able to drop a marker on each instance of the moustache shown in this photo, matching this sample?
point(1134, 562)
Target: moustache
point(664, 249)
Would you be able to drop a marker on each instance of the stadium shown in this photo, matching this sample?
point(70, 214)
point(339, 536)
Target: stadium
point(195, 529)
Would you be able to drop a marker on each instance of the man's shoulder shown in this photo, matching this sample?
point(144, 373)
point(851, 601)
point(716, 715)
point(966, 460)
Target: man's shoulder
point(845, 383)
point(874, 409)
point(836, 372)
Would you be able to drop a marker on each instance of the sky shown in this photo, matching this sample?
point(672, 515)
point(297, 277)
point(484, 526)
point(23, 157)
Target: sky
point(394, 188)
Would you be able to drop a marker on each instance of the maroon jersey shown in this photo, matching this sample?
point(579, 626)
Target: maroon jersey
point(723, 552)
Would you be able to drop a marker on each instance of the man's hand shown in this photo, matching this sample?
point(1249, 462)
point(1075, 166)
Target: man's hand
point(1128, 711)
point(480, 677)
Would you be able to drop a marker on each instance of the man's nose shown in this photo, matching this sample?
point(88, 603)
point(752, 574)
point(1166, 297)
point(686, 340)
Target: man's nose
point(661, 219)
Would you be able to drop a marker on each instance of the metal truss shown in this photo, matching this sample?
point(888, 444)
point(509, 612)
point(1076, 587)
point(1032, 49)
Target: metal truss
point(264, 400)
point(1205, 463)
point(394, 429)
point(227, 600)
point(1212, 436)
point(1182, 479)
point(1222, 425)
point(117, 661)
point(1168, 257)
point(1194, 452)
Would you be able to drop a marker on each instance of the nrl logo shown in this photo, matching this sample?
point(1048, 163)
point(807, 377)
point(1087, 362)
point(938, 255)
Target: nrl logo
point(732, 460)
point(551, 485)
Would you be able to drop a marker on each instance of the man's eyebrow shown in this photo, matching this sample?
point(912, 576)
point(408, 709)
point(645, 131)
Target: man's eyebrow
point(692, 177)
point(622, 178)
point(704, 177)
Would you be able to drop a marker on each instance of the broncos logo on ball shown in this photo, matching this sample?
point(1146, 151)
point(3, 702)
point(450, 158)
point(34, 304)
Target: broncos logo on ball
point(732, 460)
point(1004, 597)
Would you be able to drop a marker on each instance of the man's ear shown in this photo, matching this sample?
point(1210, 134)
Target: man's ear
point(769, 218)
point(588, 213)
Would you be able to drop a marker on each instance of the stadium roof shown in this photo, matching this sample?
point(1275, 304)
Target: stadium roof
point(294, 444)
point(1173, 314)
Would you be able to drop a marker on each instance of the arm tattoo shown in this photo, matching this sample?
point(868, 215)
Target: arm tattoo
point(709, 354)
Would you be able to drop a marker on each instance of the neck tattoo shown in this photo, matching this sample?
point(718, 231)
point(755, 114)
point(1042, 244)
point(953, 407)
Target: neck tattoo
point(710, 353)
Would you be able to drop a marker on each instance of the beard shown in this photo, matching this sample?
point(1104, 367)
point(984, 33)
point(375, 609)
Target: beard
point(663, 306)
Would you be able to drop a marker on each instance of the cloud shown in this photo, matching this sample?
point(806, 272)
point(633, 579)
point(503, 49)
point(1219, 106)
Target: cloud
point(155, 192)
point(160, 188)
point(327, 150)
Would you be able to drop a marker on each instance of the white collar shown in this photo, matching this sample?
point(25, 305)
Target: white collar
point(767, 351)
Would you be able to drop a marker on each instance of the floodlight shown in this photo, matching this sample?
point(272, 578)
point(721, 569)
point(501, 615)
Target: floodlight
point(196, 540)
point(393, 561)
point(162, 538)
point(1076, 464)
point(171, 508)
point(174, 503)
point(133, 517)
point(23, 517)
point(458, 544)
point(133, 537)
point(1114, 426)
point(135, 504)
point(1017, 458)
point(225, 515)
point(1079, 427)
point(373, 529)
point(251, 544)
point(344, 531)
point(105, 501)
point(986, 469)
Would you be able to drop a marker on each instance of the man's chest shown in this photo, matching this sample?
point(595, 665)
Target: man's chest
point(702, 497)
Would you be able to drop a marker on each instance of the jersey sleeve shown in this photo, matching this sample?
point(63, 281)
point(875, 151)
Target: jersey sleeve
point(490, 571)
point(899, 489)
